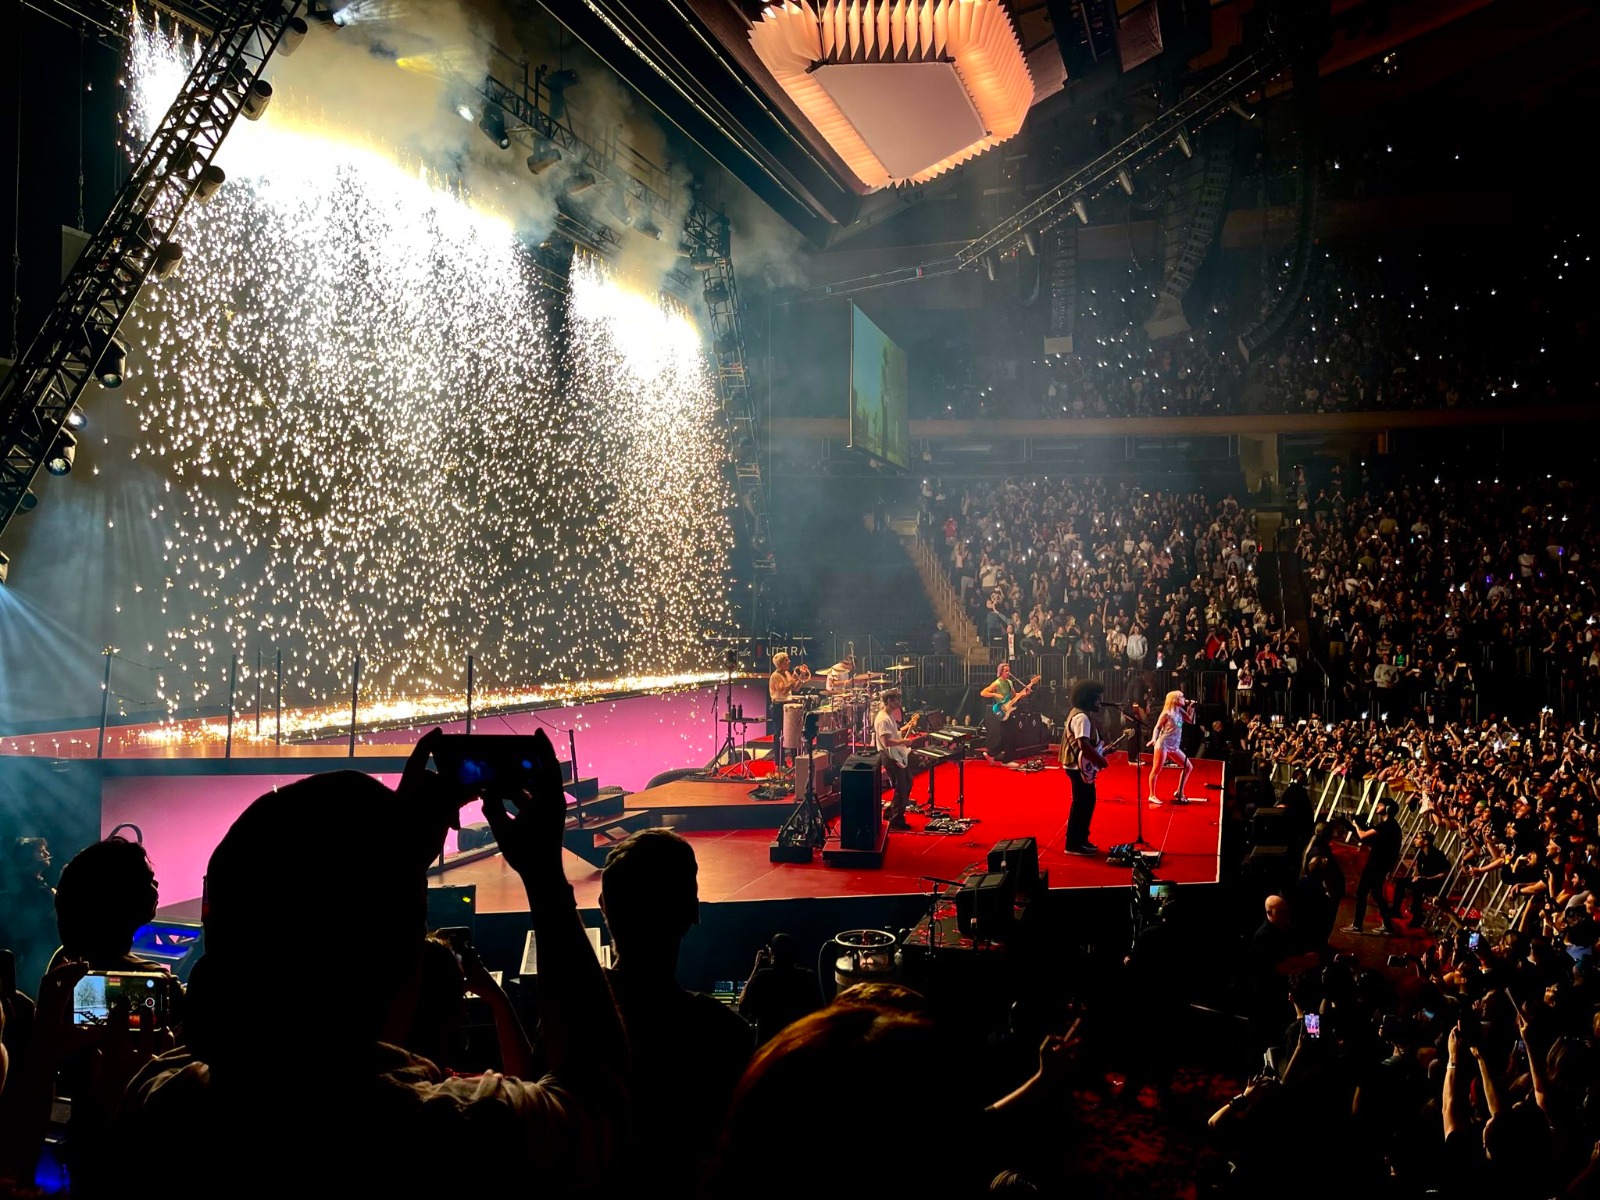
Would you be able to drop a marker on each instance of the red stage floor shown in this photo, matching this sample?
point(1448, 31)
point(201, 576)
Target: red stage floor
point(734, 865)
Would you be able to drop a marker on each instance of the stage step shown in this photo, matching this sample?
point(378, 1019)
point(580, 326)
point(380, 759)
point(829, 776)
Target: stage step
point(593, 840)
point(582, 789)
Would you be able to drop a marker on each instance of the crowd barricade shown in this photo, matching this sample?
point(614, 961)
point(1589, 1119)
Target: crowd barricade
point(1483, 902)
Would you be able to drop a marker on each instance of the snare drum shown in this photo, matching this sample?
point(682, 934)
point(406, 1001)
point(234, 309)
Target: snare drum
point(794, 724)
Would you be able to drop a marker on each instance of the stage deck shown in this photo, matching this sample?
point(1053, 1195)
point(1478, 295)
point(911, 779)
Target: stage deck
point(731, 833)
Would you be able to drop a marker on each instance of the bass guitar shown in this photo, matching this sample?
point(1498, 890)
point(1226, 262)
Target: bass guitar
point(1004, 710)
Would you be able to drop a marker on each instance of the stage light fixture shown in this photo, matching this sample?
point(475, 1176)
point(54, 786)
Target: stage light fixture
point(464, 111)
point(211, 179)
point(580, 183)
point(1185, 146)
point(113, 364)
point(256, 100)
point(294, 32)
point(546, 154)
point(988, 266)
point(29, 501)
point(59, 460)
point(493, 124)
point(1125, 180)
point(723, 345)
point(717, 292)
point(617, 206)
point(647, 226)
point(1082, 209)
point(77, 418)
point(701, 258)
point(166, 260)
point(1240, 111)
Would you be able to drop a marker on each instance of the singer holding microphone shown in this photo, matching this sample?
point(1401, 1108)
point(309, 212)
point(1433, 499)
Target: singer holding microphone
point(1166, 739)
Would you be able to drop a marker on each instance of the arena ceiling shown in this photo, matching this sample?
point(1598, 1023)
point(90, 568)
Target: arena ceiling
point(692, 60)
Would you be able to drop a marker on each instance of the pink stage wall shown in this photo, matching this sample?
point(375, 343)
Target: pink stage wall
point(622, 742)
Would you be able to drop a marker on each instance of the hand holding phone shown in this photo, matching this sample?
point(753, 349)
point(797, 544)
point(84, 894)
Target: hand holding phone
point(1313, 1024)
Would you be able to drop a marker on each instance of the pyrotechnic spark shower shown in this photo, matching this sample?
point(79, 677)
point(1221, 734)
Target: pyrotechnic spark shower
point(367, 442)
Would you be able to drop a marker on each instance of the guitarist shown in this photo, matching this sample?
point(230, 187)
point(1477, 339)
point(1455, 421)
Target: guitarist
point(1003, 696)
point(1083, 755)
point(892, 740)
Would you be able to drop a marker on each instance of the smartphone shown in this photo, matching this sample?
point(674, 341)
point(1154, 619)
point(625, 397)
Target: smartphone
point(1474, 940)
point(459, 939)
point(1313, 1025)
point(141, 995)
point(478, 761)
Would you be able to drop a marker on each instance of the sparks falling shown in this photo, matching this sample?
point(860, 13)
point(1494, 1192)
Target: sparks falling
point(369, 444)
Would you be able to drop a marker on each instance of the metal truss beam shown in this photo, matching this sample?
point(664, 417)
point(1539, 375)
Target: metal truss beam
point(53, 371)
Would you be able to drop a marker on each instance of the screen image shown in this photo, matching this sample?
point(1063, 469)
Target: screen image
point(879, 393)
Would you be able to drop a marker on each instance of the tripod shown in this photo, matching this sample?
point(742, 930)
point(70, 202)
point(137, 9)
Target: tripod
point(805, 826)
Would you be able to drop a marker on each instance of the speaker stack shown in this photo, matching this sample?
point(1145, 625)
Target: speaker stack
point(862, 833)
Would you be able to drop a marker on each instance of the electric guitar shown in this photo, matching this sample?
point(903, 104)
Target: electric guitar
point(1004, 710)
point(1071, 754)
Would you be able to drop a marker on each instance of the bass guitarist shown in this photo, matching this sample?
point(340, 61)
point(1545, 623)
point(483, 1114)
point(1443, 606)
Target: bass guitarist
point(1003, 696)
point(1083, 754)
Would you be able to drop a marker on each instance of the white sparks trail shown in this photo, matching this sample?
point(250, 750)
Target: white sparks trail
point(370, 443)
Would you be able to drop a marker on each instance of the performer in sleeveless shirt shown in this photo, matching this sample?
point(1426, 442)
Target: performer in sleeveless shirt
point(1166, 739)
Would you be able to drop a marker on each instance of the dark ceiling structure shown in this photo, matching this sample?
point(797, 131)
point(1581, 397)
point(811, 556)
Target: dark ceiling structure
point(692, 61)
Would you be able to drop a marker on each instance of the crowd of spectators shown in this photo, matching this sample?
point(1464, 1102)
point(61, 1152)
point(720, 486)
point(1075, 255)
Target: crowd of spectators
point(359, 1073)
point(1451, 595)
point(1377, 329)
point(1109, 575)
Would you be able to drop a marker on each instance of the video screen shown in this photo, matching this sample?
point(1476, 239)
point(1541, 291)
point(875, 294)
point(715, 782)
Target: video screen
point(880, 424)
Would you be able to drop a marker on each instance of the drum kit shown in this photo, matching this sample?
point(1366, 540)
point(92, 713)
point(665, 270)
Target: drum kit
point(849, 707)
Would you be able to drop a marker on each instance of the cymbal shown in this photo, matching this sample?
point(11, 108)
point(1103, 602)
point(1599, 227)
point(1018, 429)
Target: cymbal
point(887, 670)
point(867, 679)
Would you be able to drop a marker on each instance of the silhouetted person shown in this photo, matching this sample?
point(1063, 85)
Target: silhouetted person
point(106, 892)
point(688, 1049)
point(27, 909)
point(288, 1077)
point(779, 991)
point(941, 639)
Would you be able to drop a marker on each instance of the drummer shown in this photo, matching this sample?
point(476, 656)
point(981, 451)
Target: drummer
point(780, 686)
point(841, 673)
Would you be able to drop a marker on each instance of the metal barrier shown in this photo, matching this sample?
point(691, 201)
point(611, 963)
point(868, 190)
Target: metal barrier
point(1484, 901)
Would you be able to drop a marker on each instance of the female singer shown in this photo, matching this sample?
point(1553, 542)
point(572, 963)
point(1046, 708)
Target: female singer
point(1167, 741)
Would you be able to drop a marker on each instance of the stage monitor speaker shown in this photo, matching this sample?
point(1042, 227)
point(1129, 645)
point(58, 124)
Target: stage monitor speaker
point(451, 904)
point(860, 803)
point(1018, 860)
point(983, 905)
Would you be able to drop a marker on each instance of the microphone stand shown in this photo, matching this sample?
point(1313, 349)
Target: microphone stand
point(1136, 758)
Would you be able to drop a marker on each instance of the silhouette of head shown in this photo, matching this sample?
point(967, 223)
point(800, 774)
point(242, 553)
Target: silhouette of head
point(650, 893)
point(106, 892)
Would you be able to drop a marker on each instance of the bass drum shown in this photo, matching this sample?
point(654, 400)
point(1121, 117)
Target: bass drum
point(794, 725)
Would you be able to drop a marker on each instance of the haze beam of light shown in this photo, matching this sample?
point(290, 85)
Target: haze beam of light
point(370, 444)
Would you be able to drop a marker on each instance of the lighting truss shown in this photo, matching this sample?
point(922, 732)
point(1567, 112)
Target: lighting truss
point(52, 373)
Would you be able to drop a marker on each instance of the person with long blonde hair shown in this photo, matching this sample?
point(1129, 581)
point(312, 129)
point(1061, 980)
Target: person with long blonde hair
point(1166, 739)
